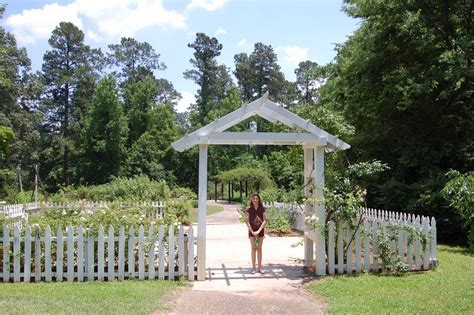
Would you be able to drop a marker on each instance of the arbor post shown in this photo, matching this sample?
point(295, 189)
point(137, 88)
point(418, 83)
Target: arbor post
point(201, 237)
point(320, 211)
point(309, 180)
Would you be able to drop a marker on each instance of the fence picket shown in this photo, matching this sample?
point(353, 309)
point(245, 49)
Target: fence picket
point(16, 254)
point(141, 257)
point(47, 254)
point(161, 253)
point(181, 251)
point(37, 254)
point(340, 249)
point(375, 246)
point(111, 254)
point(350, 244)
point(80, 254)
point(121, 254)
point(70, 254)
point(331, 253)
point(417, 246)
point(400, 243)
point(27, 267)
point(171, 252)
point(90, 261)
point(357, 251)
point(426, 249)
point(59, 254)
point(433, 242)
point(100, 254)
point(6, 254)
point(366, 246)
point(191, 253)
point(131, 253)
point(151, 253)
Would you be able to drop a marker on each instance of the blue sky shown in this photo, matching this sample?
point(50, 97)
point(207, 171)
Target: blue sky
point(298, 30)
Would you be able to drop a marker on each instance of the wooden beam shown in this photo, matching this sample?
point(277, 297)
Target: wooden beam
point(261, 138)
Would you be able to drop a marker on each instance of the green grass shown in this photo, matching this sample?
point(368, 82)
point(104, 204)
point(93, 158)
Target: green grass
point(126, 297)
point(193, 215)
point(447, 290)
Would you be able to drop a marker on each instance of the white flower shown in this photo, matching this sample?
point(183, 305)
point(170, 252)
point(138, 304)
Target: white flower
point(64, 212)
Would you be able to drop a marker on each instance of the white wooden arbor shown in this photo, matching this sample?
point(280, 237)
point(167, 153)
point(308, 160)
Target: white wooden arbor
point(314, 140)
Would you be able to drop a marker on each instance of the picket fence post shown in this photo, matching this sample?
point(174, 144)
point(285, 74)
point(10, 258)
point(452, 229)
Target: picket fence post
point(111, 254)
point(59, 254)
point(27, 268)
point(171, 252)
point(191, 254)
point(331, 248)
point(161, 253)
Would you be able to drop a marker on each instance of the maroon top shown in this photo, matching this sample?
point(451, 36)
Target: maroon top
point(256, 220)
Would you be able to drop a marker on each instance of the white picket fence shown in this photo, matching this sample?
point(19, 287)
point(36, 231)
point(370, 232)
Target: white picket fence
point(76, 256)
point(153, 210)
point(351, 253)
point(17, 210)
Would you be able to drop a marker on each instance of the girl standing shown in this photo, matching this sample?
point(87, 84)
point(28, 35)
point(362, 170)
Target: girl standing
point(256, 221)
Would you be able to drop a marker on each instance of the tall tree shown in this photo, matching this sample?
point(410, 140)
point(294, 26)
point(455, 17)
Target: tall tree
point(19, 92)
point(259, 72)
point(135, 59)
point(212, 79)
point(105, 134)
point(140, 98)
point(404, 80)
point(166, 92)
point(308, 80)
point(66, 66)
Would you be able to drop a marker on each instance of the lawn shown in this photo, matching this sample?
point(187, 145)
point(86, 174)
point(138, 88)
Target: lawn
point(127, 297)
point(448, 289)
point(193, 215)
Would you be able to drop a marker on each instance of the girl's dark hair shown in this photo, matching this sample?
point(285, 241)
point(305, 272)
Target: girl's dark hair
point(260, 204)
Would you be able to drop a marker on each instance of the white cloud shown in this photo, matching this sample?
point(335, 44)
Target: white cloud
point(293, 54)
point(32, 25)
point(221, 31)
point(109, 18)
point(186, 100)
point(243, 43)
point(93, 36)
point(209, 5)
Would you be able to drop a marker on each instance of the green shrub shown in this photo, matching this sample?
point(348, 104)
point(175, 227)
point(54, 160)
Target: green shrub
point(139, 188)
point(183, 193)
point(272, 195)
point(91, 220)
point(27, 196)
point(279, 221)
point(177, 211)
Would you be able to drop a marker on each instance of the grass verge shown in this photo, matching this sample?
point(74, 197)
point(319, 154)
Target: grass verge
point(193, 215)
point(125, 297)
point(448, 289)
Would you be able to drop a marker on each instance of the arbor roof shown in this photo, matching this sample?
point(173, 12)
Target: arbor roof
point(308, 133)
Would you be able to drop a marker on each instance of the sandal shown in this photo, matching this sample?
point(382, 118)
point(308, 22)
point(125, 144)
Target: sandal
point(261, 272)
point(252, 272)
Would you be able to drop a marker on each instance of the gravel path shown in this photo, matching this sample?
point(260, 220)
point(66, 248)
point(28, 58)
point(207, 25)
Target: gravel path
point(230, 288)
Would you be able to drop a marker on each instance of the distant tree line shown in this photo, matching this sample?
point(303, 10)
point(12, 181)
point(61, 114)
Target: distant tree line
point(399, 91)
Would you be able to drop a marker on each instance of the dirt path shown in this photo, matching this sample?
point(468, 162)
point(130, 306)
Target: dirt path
point(230, 288)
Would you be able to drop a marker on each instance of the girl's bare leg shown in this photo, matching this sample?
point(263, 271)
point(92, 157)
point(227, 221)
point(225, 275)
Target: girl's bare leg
point(259, 251)
point(253, 251)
